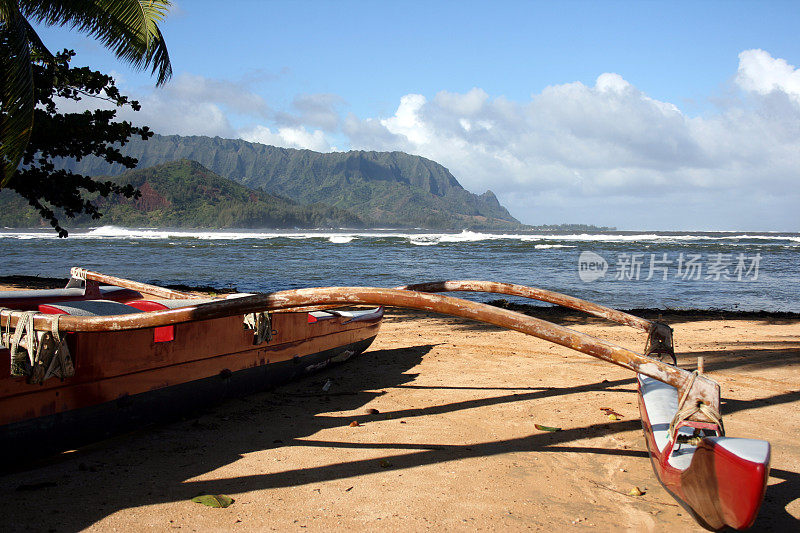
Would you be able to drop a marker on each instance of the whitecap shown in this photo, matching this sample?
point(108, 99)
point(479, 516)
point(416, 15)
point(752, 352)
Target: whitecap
point(423, 240)
point(414, 237)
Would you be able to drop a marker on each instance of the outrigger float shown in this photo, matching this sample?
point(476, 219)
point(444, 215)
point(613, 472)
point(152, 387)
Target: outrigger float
point(88, 360)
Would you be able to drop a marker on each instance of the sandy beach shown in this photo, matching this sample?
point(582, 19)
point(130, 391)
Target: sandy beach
point(231, 198)
point(445, 441)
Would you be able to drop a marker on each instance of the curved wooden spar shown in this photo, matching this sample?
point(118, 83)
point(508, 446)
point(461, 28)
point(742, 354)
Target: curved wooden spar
point(534, 293)
point(155, 290)
point(161, 292)
point(659, 340)
point(703, 389)
point(510, 289)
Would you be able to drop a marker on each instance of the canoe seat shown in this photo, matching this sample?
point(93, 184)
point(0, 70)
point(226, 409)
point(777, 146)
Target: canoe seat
point(154, 305)
point(106, 308)
point(28, 300)
point(661, 403)
point(41, 293)
point(87, 308)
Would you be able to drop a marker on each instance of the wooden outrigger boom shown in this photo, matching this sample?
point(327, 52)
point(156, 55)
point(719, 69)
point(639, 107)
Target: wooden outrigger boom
point(96, 278)
point(722, 485)
point(703, 389)
point(534, 293)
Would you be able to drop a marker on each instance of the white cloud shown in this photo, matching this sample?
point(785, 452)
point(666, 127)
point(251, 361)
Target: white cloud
point(288, 138)
point(601, 131)
point(603, 153)
point(762, 73)
point(407, 120)
point(612, 83)
point(372, 135)
point(316, 110)
point(196, 105)
point(609, 151)
point(232, 96)
point(191, 105)
point(174, 116)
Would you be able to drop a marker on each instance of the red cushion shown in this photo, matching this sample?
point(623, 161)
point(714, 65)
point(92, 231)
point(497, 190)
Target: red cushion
point(51, 310)
point(161, 333)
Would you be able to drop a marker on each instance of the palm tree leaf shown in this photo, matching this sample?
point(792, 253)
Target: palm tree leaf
point(128, 27)
point(36, 44)
point(16, 90)
point(158, 57)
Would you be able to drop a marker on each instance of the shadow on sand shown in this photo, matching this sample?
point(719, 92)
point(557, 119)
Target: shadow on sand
point(75, 490)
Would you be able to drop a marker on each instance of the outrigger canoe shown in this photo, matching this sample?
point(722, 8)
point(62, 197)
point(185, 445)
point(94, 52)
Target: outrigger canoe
point(78, 363)
point(67, 386)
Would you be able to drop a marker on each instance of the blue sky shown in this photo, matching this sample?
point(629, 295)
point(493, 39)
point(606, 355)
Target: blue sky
point(661, 115)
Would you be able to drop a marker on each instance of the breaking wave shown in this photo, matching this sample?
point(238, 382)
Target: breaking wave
point(541, 240)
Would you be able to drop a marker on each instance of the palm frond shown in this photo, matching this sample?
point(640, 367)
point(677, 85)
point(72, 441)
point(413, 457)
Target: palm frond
point(128, 27)
point(158, 57)
point(16, 90)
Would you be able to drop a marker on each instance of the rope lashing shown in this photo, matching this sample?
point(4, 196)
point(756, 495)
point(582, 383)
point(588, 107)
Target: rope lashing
point(261, 324)
point(61, 365)
point(23, 358)
point(685, 412)
point(7, 333)
point(36, 355)
point(78, 273)
point(659, 342)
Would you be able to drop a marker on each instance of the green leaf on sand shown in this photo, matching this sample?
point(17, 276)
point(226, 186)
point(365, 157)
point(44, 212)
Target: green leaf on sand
point(546, 428)
point(213, 500)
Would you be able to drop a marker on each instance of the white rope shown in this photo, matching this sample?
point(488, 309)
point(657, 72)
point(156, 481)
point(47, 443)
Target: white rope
point(78, 273)
point(36, 355)
point(7, 333)
point(261, 325)
point(22, 365)
point(684, 413)
point(61, 365)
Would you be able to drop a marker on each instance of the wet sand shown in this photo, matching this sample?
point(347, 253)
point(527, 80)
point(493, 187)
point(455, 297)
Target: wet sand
point(452, 445)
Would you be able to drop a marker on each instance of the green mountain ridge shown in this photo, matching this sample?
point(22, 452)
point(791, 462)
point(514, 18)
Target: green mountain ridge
point(383, 188)
point(185, 194)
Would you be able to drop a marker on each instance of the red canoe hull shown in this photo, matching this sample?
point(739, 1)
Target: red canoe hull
point(125, 378)
point(723, 485)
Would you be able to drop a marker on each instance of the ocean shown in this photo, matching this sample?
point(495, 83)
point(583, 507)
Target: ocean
point(731, 271)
